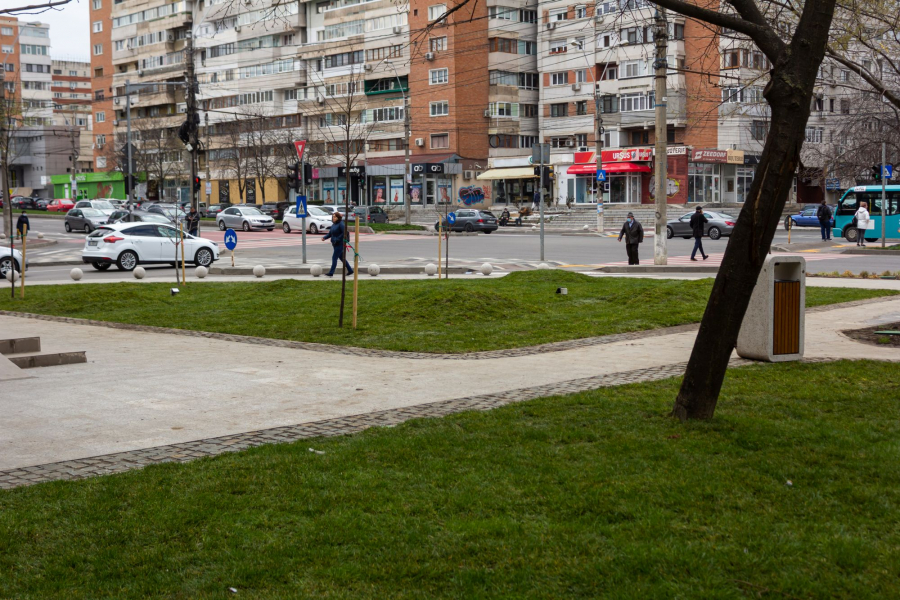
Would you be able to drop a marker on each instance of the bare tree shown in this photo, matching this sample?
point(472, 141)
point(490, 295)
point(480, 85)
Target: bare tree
point(13, 116)
point(234, 155)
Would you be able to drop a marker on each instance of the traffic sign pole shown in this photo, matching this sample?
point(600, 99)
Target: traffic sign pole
point(231, 242)
point(885, 171)
point(451, 219)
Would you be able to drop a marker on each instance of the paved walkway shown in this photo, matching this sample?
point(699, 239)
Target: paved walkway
point(147, 396)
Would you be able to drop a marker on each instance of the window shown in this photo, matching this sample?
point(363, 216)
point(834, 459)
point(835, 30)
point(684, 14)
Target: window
point(35, 49)
point(527, 47)
point(581, 76)
point(6, 31)
point(558, 14)
point(581, 107)
point(98, 95)
point(814, 135)
point(609, 104)
point(527, 141)
point(578, 43)
point(505, 13)
point(343, 59)
point(503, 109)
point(98, 4)
point(561, 142)
point(9, 67)
point(7, 49)
point(559, 110)
point(632, 68)
point(528, 81)
point(845, 75)
point(610, 72)
point(635, 102)
point(290, 94)
point(436, 11)
point(607, 40)
point(98, 49)
point(388, 113)
point(632, 35)
point(845, 106)
point(503, 141)
point(441, 140)
point(438, 44)
point(101, 140)
point(558, 46)
point(503, 45)
point(440, 109)
point(97, 26)
point(678, 31)
point(528, 110)
point(438, 76)
point(640, 137)
point(385, 52)
point(559, 78)
point(732, 59)
point(581, 139)
point(580, 12)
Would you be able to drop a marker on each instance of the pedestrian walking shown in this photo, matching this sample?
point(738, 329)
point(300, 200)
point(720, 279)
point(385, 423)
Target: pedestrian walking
point(23, 225)
point(824, 215)
point(536, 201)
point(698, 221)
point(633, 233)
point(862, 223)
point(337, 235)
point(192, 221)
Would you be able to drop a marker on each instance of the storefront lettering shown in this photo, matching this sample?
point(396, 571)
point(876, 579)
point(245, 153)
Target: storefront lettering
point(627, 155)
point(710, 156)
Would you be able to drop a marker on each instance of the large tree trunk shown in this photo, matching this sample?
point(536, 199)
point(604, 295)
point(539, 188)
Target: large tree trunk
point(789, 94)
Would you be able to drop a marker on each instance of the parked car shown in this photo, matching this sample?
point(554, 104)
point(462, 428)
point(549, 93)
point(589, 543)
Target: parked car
point(23, 203)
point(85, 219)
point(333, 208)
point(245, 218)
point(269, 208)
point(371, 214)
point(137, 216)
point(127, 245)
point(103, 206)
point(719, 225)
point(281, 207)
point(807, 217)
point(170, 211)
point(469, 219)
point(318, 220)
point(8, 261)
point(215, 209)
point(60, 205)
point(41, 204)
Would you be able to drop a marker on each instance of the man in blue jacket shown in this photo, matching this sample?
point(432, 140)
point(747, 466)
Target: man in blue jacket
point(337, 234)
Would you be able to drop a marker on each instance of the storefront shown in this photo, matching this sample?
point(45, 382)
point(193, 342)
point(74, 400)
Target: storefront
point(720, 176)
point(627, 176)
point(90, 186)
point(511, 181)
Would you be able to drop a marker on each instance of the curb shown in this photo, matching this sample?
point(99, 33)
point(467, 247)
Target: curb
point(872, 252)
point(658, 269)
point(305, 271)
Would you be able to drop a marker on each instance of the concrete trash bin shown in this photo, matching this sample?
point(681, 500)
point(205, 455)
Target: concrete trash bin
point(775, 323)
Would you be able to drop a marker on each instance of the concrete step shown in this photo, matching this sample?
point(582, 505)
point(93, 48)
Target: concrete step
point(20, 345)
point(51, 359)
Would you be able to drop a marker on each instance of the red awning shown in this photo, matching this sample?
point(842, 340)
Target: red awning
point(618, 167)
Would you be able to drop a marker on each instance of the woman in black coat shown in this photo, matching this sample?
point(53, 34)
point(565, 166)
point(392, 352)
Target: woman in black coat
point(336, 234)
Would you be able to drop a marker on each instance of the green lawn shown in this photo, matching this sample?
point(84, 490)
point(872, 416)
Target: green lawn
point(459, 315)
point(376, 227)
point(597, 494)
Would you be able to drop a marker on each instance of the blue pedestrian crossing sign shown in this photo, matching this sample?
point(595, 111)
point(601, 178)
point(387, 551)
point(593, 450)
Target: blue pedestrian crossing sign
point(230, 239)
point(888, 171)
point(451, 218)
point(601, 175)
point(301, 203)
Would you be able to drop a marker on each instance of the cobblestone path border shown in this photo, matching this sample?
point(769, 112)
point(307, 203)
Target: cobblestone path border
point(372, 352)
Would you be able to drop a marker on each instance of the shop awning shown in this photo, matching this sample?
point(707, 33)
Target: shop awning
point(616, 167)
point(510, 173)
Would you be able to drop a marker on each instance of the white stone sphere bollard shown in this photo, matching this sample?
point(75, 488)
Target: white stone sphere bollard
point(40, 236)
point(374, 270)
point(76, 274)
point(543, 266)
point(487, 269)
point(12, 276)
point(201, 272)
point(586, 228)
point(139, 272)
point(2, 236)
point(315, 270)
point(259, 270)
point(430, 269)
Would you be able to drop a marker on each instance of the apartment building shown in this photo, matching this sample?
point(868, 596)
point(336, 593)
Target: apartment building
point(72, 93)
point(101, 66)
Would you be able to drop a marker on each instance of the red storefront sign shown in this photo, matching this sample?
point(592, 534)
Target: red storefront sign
point(627, 155)
point(709, 156)
point(584, 158)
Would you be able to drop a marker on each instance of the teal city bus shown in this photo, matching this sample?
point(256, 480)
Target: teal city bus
point(870, 194)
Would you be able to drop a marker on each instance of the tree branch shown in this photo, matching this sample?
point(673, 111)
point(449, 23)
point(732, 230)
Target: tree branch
point(34, 7)
point(876, 83)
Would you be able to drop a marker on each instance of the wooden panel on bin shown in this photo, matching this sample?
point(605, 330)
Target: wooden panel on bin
point(786, 321)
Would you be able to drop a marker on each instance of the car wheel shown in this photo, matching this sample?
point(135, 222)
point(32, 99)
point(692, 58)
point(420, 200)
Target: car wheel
point(222, 226)
point(715, 233)
point(270, 229)
point(670, 233)
point(488, 230)
point(127, 261)
point(246, 226)
point(850, 234)
point(687, 237)
point(788, 223)
point(470, 228)
point(7, 263)
point(204, 257)
point(100, 266)
point(68, 227)
point(285, 228)
point(87, 228)
point(313, 228)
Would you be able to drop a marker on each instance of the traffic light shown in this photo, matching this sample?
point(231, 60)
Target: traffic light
point(307, 174)
point(196, 184)
point(129, 183)
point(294, 177)
point(547, 181)
point(876, 172)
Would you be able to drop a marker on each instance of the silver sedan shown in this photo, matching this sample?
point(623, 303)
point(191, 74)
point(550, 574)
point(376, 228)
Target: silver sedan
point(719, 225)
point(246, 218)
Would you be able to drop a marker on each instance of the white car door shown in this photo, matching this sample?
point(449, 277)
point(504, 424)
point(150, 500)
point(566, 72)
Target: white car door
point(146, 242)
point(170, 246)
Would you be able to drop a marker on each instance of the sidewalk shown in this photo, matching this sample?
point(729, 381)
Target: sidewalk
point(145, 390)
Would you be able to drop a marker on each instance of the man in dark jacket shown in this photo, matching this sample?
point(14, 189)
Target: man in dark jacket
point(192, 221)
point(336, 235)
point(824, 215)
point(698, 220)
point(23, 225)
point(633, 233)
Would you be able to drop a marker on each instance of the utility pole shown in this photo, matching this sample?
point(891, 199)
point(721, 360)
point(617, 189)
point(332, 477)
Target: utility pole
point(884, 211)
point(193, 117)
point(598, 120)
point(407, 175)
point(128, 176)
point(208, 176)
point(661, 36)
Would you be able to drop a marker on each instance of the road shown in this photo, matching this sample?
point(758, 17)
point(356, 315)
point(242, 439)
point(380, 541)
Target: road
point(507, 251)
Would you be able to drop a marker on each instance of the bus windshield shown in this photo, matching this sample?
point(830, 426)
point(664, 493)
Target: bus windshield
point(850, 202)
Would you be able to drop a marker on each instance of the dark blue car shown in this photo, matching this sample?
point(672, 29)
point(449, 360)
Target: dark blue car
point(807, 218)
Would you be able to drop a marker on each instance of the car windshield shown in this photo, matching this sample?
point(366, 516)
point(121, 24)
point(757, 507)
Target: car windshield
point(149, 218)
point(251, 212)
point(327, 210)
point(91, 212)
point(268, 206)
point(316, 211)
point(725, 217)
point(102, 205)
point(487, 213)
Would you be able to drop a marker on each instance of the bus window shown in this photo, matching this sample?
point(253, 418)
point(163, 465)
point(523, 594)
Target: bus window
point(893, 203)
point(848, 204)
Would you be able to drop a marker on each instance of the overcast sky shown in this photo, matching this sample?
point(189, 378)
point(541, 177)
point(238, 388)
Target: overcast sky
point(70, 34)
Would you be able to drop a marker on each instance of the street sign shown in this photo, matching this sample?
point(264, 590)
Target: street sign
point(832, 184)
point(209, 188)
point(300, 145)
point(230, 239)
point(888, 171)
point(451, 218)
point(540, 153)
point(601, 175)
point(301, 201)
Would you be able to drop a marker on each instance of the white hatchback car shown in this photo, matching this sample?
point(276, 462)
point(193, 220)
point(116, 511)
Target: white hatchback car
point(318, 220)
point(127, 245)
point(104, 206)
point(6, 263)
